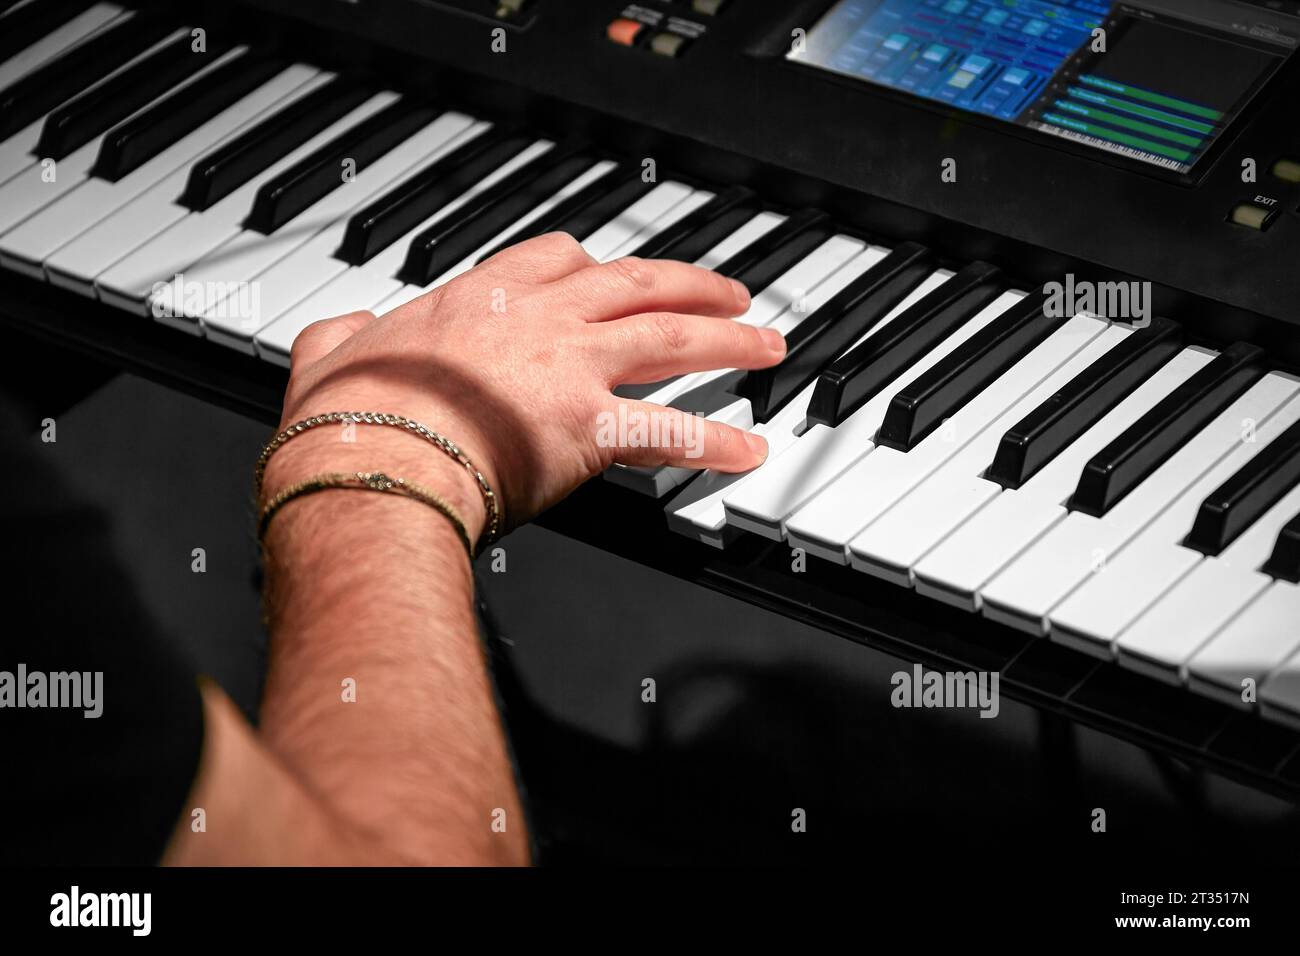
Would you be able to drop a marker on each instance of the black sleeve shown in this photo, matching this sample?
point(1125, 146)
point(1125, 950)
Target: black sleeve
point(81, 789)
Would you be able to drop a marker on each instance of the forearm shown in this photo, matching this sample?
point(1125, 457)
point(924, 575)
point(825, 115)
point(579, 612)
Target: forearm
point(377, 693)
point(514, 360)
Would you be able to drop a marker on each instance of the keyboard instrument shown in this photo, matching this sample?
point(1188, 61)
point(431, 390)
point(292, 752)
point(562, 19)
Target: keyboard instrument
point(1103, 508)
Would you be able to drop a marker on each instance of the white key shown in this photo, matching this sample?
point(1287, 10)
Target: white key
point(751, 231)
point(819, 455)
point(1198, 606)
point(764, 309)
point(132, 283)
point(826, 524)
point(892, 544)
point(767, 307)
point(30, 190)
point(408, 292)
point(635, 219)
point(699, 511)
point(757, 315)
point(369, 284)
point(143, 203)
point(24, 247)
point(956, 569)
point(312, 265)
point(1093, 616)
point(1026, 591)
point(16, 151)
point(1164, 638)
point(678, 212)
point(402, 296)
point(1251, 646)
point(659, 481)
point(1279, 698)
point(317, 231)
point(80, 27)
point(596, 172)
point(388, 262)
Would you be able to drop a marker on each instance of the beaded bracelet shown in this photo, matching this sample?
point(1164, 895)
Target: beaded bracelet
point(446, 445)
point(365, 481)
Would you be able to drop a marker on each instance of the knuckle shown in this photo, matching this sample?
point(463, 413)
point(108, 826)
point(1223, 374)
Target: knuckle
point(719, 440)
point(743, 339)
point(719, 286)
point(560, 243)
point(600, 352)
point(635, 272)
point(670, 330)
point(314, 329)
point(426, 302)
point(304, 339)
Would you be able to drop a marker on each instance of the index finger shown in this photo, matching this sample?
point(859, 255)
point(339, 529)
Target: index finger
point(629, 286)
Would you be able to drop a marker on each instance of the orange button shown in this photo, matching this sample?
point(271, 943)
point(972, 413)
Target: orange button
point(624, 31)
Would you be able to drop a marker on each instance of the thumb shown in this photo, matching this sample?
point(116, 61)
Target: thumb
point(320, 338)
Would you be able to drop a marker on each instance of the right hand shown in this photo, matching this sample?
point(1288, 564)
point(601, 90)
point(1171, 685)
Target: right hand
point(516, 360)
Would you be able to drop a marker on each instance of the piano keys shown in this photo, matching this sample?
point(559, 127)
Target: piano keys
point(1116, 490)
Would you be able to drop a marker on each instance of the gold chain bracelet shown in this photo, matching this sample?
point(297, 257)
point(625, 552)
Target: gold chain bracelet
point(446, 445)
point(365, 481)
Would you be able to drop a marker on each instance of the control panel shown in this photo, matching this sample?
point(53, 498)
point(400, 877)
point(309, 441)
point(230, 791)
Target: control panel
point(667, 28)
point(1164, 148)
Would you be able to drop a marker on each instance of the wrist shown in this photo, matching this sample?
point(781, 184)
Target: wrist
point(363, 448)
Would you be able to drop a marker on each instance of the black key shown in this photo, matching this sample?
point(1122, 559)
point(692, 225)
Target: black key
point(84, 117)
point(375, 227)
point(626, 186)
point(852, 379)
point(959, 376)
point(774, 252)
point(28, 99)
point(1284, 562)
point(586, 210)
point(1042, 434)
point(456, 235)
point(145, 135)
point(693, 235)
point(317, 175)
point(845, 318)
point(566, 217)
point(228, 167)
point(1119, 467)
point(24, 27)
point(1240, 501)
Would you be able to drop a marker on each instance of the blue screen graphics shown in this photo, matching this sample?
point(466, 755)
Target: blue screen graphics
point(1160, 92)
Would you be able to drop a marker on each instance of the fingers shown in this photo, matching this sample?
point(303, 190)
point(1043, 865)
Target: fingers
point(611, 290)
point(320, 338)
point(648, 435)
point(647, 348)
point(541, 259)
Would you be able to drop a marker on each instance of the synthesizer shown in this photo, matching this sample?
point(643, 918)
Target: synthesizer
point(1035, 262)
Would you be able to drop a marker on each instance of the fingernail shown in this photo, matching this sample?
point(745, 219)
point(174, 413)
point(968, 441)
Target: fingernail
point(758, 445)
point(741, 293)
point(773, 339)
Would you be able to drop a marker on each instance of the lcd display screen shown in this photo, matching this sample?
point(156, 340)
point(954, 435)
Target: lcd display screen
point(1157, 83)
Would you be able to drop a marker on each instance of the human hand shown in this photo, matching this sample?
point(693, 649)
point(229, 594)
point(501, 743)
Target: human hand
point(515, 361)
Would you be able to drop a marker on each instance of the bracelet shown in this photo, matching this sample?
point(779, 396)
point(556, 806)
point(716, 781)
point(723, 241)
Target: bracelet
point(365, 481)
point(490, 502)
